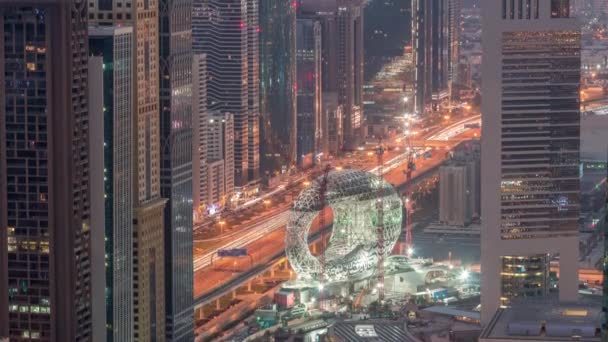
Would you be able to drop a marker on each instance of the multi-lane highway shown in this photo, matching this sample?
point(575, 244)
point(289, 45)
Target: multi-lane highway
point(264, 238)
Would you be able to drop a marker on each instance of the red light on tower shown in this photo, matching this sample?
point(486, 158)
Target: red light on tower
point(242, 25)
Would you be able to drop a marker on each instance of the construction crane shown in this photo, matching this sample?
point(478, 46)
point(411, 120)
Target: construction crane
point(380, 228)
point(323, 201)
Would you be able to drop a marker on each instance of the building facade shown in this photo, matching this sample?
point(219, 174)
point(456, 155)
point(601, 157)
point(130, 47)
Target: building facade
point(148, 206)
point(45, 271)
point(454, 31)
point(309, 101)
point(220, 151)
point(431, 51)
point(227, 32)
point(199, 135)
point(97, 184)
point(457, 194)
point(175, 79)
point(114, 45)
point(342, 68)
point(530, 177)
point(278, 84)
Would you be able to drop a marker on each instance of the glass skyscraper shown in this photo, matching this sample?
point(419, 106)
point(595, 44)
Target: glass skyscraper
point(114, 45)
point(278, 85)
point(308, 52)
point(227, 31)
point(431, 48)
point(45, 277)
point(175, 76)
point(530, 164)
point(148, 206)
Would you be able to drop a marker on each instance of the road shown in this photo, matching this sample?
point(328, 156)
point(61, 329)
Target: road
point(265, 238)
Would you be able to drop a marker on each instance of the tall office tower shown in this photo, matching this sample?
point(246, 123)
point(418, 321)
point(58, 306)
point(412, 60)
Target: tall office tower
point(226, 31)
point(220, 159)
point(431, 51)
point(278, 84)
point(175, 31)
point(253, 95)
point(454, 28)
point(605, 264)
point(99, 299)
point(530, 178)
point(457, 193)
point(200, 120)
point(45, 275)
point(113, 92)
point(148, 211)
point(308, 52)
point(342, 40)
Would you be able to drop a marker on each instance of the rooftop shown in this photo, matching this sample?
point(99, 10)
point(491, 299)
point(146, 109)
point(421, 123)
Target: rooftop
point(454, 312)
point(369, 331)
point(545, 322)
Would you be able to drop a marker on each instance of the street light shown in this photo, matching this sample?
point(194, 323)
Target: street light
point(222, 223)
point(405, 99)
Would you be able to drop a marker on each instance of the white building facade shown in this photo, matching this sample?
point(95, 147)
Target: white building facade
point(530, 150)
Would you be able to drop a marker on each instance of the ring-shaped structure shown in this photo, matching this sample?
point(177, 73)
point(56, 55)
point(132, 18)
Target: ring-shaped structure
point(353, 246)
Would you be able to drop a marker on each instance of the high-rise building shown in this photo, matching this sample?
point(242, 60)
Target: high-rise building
point(199, 135)
point(45, 272)
point(148, 211)
point(530, 163)
point(278, 87)
point(175, 76)
point(114, 46)
point(308, 52)
point(457, 193)
point(220, 151)
point(431, 51)
point(227, 32)
point(331, 117)
point(454, 28)
point(99, 294)
point(342, 69)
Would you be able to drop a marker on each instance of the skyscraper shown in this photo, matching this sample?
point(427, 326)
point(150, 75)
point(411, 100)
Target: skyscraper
point(227, 32)
point(45, 277)
point(308, 52)
point(175, 31)
point(148, 220)
point(342, 45)
point(114, 45)
point(530, 178)
point(220, 159)
point(431, 51)
point(200, 119)
point(455, 22)
point(99, 294)
point(278, 84)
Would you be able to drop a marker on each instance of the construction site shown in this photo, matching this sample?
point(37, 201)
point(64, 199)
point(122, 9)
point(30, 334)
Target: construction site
point(349, 257)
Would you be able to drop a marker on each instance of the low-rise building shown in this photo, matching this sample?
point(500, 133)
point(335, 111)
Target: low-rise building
point(544, 322)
